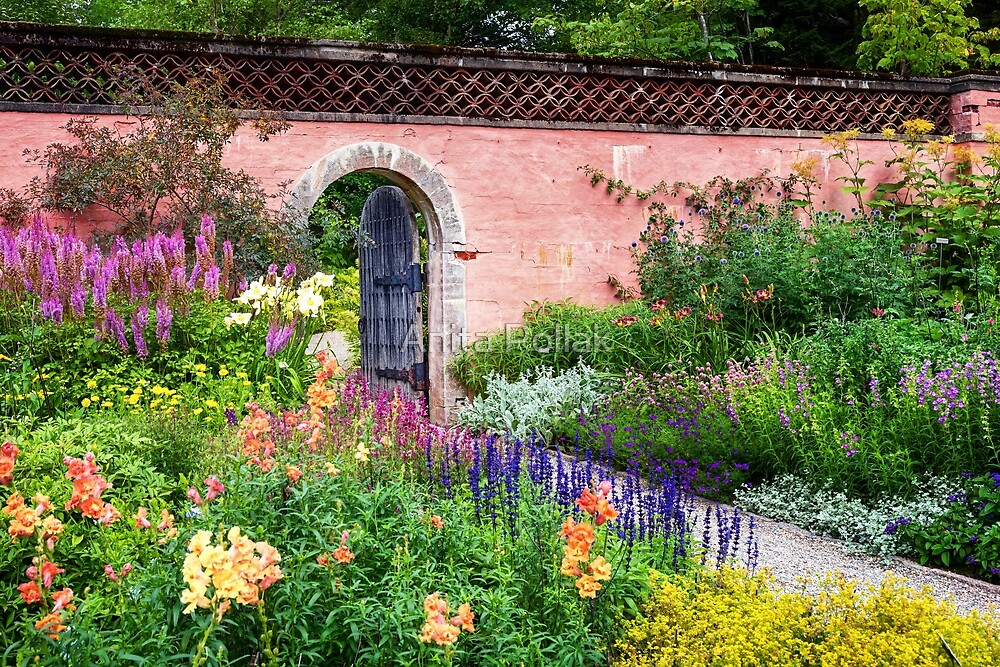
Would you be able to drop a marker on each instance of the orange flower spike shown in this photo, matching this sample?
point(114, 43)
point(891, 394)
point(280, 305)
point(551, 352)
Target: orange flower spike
point(42, 504)
point(62, 600)
point(587, 586)
point(8, 456)
point(587, 501)
point(109, 514)
point(437, 522)
point(23, 524)
point(324, 559)
point(14, 502)
point(343, 555)
point(30, 593)
point(433, 604)
point(464, 618)
point(568, 526)
point(51, 624)
point(49, 572)
point(294, 474)
point(582, 532)
point(569, 567)
point(141, 521)
point(600, 569)
point(51, 529)
point(605, 512)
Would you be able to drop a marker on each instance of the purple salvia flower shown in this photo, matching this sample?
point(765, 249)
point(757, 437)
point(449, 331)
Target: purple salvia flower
point(227, 264)
point(208, 231)
point(201, 251)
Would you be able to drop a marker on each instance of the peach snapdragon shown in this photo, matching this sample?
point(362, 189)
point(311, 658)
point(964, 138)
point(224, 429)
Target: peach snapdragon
point(438, 629)
point(580, 538)
point(218, 574)
point(88, 486)
point(8, 455)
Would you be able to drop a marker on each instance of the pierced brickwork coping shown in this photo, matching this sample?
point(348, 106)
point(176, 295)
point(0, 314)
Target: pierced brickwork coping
point(80, 70)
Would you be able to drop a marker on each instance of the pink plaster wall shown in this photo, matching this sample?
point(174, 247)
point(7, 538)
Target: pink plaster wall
point(535, 228)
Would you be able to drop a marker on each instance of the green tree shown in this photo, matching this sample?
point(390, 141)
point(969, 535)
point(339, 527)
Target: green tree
point(667, 29)
point(923, 37)
point(814, 33)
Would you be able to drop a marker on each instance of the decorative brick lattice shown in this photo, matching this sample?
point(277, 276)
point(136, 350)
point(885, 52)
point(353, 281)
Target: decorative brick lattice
point(64, 70)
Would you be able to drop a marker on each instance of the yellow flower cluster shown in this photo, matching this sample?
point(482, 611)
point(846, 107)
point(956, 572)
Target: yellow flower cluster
point(730, 618)
point(242, 571)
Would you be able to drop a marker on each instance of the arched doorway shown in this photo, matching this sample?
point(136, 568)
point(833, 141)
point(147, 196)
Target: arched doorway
point(445, 274)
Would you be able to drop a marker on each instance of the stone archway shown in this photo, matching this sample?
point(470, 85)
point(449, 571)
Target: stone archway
point(427, 189)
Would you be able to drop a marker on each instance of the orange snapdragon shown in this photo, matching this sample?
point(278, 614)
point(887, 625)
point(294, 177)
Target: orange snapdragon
point(437, 628)
point(255, 431)
point(8, 455)
point(580, 537)
point(88, 486)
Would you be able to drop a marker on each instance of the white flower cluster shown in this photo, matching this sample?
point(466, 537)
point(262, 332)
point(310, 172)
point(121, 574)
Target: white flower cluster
point(307, 300)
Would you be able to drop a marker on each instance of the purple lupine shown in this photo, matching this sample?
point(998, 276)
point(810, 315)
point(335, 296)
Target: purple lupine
point(278, 337)
point(78, 300)
point(52, 309)
point(211, 285)
point(288, 273)
point(164, 317)
point(115, 325)
point(195, 274)
point(208, 233)
point(139, 320)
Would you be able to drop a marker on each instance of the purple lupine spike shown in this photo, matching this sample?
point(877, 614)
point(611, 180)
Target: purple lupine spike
point(277, 338)
point(195, 274)
point(243, 285)
point(208, 232)
point(211, 285)
point(139, 320)
point(288, 273)
point(78, 300)
point(201, 251)
point(52, 309)
point(114, 325)
point(100, 287)
point(164, 316)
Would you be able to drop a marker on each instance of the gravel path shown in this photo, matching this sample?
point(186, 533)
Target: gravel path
point(790, 552)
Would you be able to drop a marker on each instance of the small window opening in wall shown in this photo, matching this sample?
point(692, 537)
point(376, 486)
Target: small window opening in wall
point(970, 108)
point(993, 103)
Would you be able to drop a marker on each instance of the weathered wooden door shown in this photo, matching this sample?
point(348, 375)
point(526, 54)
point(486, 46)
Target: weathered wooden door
point(391, 324)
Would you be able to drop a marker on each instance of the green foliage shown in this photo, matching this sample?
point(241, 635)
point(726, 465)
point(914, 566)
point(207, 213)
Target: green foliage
point(922, 37)
point(336, 218)
point(610, 341)
point(534, 403)
point(967, 534)
point(827, 510)
point(666, 29)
